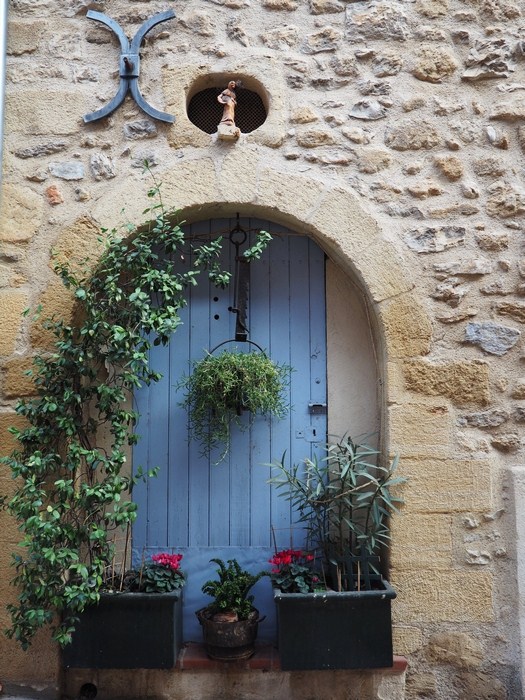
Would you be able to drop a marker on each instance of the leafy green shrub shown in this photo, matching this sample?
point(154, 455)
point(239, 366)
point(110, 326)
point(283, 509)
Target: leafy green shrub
point(231, 590)
point(73, 494)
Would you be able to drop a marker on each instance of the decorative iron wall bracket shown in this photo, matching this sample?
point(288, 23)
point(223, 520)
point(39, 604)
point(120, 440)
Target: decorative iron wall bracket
point(129, 66)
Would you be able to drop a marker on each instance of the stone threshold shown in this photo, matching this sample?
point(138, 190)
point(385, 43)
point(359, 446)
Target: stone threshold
point(193, 657)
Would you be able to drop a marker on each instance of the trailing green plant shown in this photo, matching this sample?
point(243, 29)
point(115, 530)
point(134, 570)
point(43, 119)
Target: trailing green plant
point(344, 499)
point(73, 492)
point(222, 386)
point(230, 591)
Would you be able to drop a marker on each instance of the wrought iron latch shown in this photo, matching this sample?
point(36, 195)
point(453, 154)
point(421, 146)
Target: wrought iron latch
point(129, 66)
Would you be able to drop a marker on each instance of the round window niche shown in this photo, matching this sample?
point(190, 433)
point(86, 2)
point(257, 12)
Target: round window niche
point(205, 112)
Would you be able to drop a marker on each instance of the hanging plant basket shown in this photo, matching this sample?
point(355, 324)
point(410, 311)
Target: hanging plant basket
point(222, 387)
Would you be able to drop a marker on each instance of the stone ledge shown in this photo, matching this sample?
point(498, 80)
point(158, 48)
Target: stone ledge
point(193, 657)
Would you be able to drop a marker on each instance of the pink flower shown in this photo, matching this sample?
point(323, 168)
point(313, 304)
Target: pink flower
point(171, 561)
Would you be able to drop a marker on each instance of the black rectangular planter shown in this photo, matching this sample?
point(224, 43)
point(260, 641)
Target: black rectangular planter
point(128, 630)
point(330, 630)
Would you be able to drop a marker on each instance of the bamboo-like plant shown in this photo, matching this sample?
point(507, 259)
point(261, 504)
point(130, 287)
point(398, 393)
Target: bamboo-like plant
point(344, 500)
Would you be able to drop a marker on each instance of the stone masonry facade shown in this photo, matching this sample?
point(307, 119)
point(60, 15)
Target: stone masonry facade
point(396, 136)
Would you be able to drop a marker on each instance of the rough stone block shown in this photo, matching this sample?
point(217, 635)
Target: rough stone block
point(293, 196)
point(22, 211)
point(56, 302)
point(446, 485)
point(46, 112)
point(455, 648)
point(407, 328)
point(421, 541)
point(7, 441)
point(443, 596)
point(15, 380)
point(79, 246)
point(12, 304)
point(238, 175)
point(464, 383)
point(24, 37)
point(406, 640)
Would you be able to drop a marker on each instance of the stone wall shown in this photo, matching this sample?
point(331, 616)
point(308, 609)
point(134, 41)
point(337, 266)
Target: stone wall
point(394, 136)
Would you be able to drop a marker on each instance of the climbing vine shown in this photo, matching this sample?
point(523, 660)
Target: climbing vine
point(74, 492)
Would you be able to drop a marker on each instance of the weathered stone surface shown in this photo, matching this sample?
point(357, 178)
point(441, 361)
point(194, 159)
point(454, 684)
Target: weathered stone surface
point(505, 200)
point(509, 111)
point(344, 65)
point(488, 166)
point(67, 170)
point(377, 20)
point(515, 310)
point(236, 32)
point(327, 39)
point(12, 303)
point(54, 196)
point(492, 337)
point(444, 596)
point(479, 685)
point(102, 166)
point(451, 292)
point(459, 316)
point(406, 338)
point(506, 442)
point(469, 191)
point(455, 648)
point(406, 639)
point(288, 5)
point(319, 7)
point(450, 166)
point(303, 115)
point(433, 64)
point(374, 87)
point(425, 188)
point(142, 157)
point(140, 129)
point(15, 380)
point(43, 149)
point(387, 63)
point(281, 38)
point(412, 136)
point(518, 414)
point(199, 22)
point(464, 383)
point(498, 138)
point(434, 240)
point(421, 685)
point(422, 538)
point(518, 392)
point(58, 302)
point(465, 268)
point(488, 59)
point(368, 110)
point(492, 242)
point(356, 134)
point(24, 37)
point(485, 419)
point(312, 138)
point(77, 243)
point(432, 8)
point(22, 211)
point(374, 160)
point(35, 112)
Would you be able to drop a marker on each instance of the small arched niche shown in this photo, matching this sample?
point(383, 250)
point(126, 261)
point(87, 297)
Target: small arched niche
point(205, 112)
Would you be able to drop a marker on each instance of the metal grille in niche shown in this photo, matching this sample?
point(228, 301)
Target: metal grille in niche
point(205, 112)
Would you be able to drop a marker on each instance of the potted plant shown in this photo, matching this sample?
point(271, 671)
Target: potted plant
point(137, 622)
point(230, 622)
point(221, 387)
point(337, 614)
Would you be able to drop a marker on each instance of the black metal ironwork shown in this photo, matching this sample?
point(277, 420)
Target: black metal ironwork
point(241, 292)
point(129, 66)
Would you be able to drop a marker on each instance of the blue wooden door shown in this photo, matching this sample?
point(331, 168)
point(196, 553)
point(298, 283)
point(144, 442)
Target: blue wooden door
point(228, 510)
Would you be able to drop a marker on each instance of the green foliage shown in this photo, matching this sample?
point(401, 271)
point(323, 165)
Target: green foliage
point(231, 590)
point(344, 499)
point(74, 496)
point(222, 386)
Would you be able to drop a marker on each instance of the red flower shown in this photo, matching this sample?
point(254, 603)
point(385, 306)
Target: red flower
point(170, 560)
